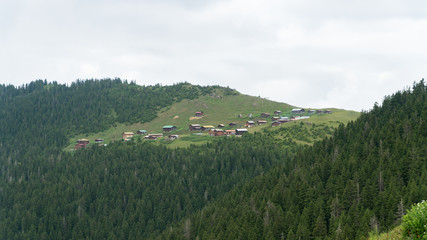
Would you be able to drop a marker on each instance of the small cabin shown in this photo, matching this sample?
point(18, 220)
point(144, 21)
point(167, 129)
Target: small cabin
point(199, 114)
point(277, 112)
point(232, 124)
point(207, 127)
point(320, 111)
point(265, 115)
point(241, 131)
point(261, 122)
point(216, 132)
point(220, 125)
point(83, 141)
point(298, 111)
point(250, 123)
point(126, 135)
point(283, 119)
point(194, 127)
point(275, 123)
point(311, 111)
point(141, 132)
point(230, 132)
point(328, 111)
point(99, 140)
point(173, 137)
point(275, 118)
point(153, 136)
point(168, 128)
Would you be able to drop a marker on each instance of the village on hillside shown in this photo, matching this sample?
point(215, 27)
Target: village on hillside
point(231, 129)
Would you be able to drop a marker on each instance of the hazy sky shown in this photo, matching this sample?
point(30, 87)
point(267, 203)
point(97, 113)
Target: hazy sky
point(309, 53)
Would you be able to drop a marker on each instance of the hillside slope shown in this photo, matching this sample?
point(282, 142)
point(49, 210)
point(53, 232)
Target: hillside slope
point(221, 106)
point(357, 181)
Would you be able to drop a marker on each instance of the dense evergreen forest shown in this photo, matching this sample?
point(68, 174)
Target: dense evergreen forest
point(260, 186)
point(361, 179)
point(36, 120)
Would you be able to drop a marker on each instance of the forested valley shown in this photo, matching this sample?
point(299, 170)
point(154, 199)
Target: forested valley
point(259, 186)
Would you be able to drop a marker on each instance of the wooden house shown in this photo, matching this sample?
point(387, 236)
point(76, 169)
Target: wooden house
point(275, 118)
point(283, 119)
point(230, 132)
point(199, 114)
point(232, 124)
point(275, 123)
point(141, 132)
point(277, 112)
point(298, 111)
point(311, 111)
point(194, 127)
point(216, 132)
point(220, 125)
point(250, 123)
point(207, 127)
point(168, 128)
point(241, 131)
point(261, 122)
point(265, 115)
point(99, 140)
point(153, 136)
point(83, 141)
point(173, 137)
point(126, 135)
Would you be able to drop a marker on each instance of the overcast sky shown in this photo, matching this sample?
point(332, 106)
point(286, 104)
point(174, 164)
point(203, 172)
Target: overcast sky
point(308, 53)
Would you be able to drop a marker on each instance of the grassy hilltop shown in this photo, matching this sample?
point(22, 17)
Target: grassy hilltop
point(219, 107)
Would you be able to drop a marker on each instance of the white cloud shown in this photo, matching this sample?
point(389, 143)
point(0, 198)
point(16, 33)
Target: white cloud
point(307, 53)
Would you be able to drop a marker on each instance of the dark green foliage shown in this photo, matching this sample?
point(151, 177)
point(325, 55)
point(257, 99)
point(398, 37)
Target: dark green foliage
point(127, 189)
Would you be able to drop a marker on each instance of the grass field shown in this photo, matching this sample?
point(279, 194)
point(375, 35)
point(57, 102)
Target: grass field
point(218, 109)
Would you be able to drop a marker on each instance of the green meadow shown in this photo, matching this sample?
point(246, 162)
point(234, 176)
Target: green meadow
point(218, 108)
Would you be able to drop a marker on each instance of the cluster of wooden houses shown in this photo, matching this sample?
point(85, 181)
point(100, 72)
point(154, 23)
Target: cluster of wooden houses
point(219, 131)
point(82, 143)
point(127, 136)
point(298, 111)
point(276, 120)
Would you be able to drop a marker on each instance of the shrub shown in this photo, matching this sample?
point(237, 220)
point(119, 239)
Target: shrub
point(415, 222)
